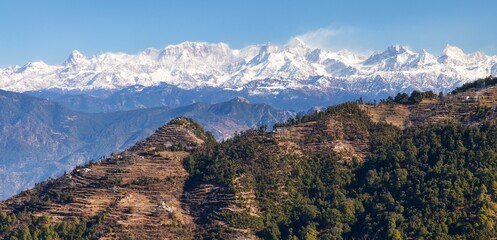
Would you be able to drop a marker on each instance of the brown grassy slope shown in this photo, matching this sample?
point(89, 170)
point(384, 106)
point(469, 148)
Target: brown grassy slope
point(469, 107)
point(138, 191)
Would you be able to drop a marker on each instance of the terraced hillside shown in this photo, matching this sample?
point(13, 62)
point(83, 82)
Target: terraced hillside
point(470, 106)
point(145, 192)
point(343, 133)
point(421, 169)
point(134, 194)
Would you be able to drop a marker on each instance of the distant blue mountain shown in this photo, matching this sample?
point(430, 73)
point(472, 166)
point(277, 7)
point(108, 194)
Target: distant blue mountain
point(40, 138)
point(166, 95)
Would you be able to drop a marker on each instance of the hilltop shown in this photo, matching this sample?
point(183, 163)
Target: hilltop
point(472, 103)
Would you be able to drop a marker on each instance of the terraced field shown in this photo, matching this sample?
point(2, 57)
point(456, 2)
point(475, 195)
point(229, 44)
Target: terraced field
point(139, 193)
point(469, 107)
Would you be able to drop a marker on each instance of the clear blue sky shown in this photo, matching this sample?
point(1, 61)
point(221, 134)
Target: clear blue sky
point(50, 30)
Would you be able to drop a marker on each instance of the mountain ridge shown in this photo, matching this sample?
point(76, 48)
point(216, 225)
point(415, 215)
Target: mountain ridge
point(191, 65)
point(40, 138)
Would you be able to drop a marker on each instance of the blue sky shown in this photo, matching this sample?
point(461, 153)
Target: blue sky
point(50, 30)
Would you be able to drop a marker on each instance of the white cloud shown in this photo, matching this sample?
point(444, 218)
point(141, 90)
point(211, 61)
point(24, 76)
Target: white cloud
point(326, 38)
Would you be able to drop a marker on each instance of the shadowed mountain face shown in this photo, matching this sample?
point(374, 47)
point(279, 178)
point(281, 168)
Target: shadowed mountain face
point(39, 138)
point(166, 95)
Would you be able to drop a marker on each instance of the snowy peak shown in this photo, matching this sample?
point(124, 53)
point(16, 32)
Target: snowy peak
point(258, 69)
point(296, 43)
point(395, 57)
point(425, 59)
point(390, 53)
point(199, 49)
point(204, 55)
point(453, 51)
point(33, 67)
point(75, 58)
point(395, 50)
point(452, 54)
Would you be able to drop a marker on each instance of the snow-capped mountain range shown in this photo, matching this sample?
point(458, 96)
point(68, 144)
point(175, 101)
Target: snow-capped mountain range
point(258, 69)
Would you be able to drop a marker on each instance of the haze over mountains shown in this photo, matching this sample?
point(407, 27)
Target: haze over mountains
point(286, 76)
point(40, 138)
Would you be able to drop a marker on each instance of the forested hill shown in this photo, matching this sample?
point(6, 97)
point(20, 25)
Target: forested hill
point(434, 182)
point(352, 171)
